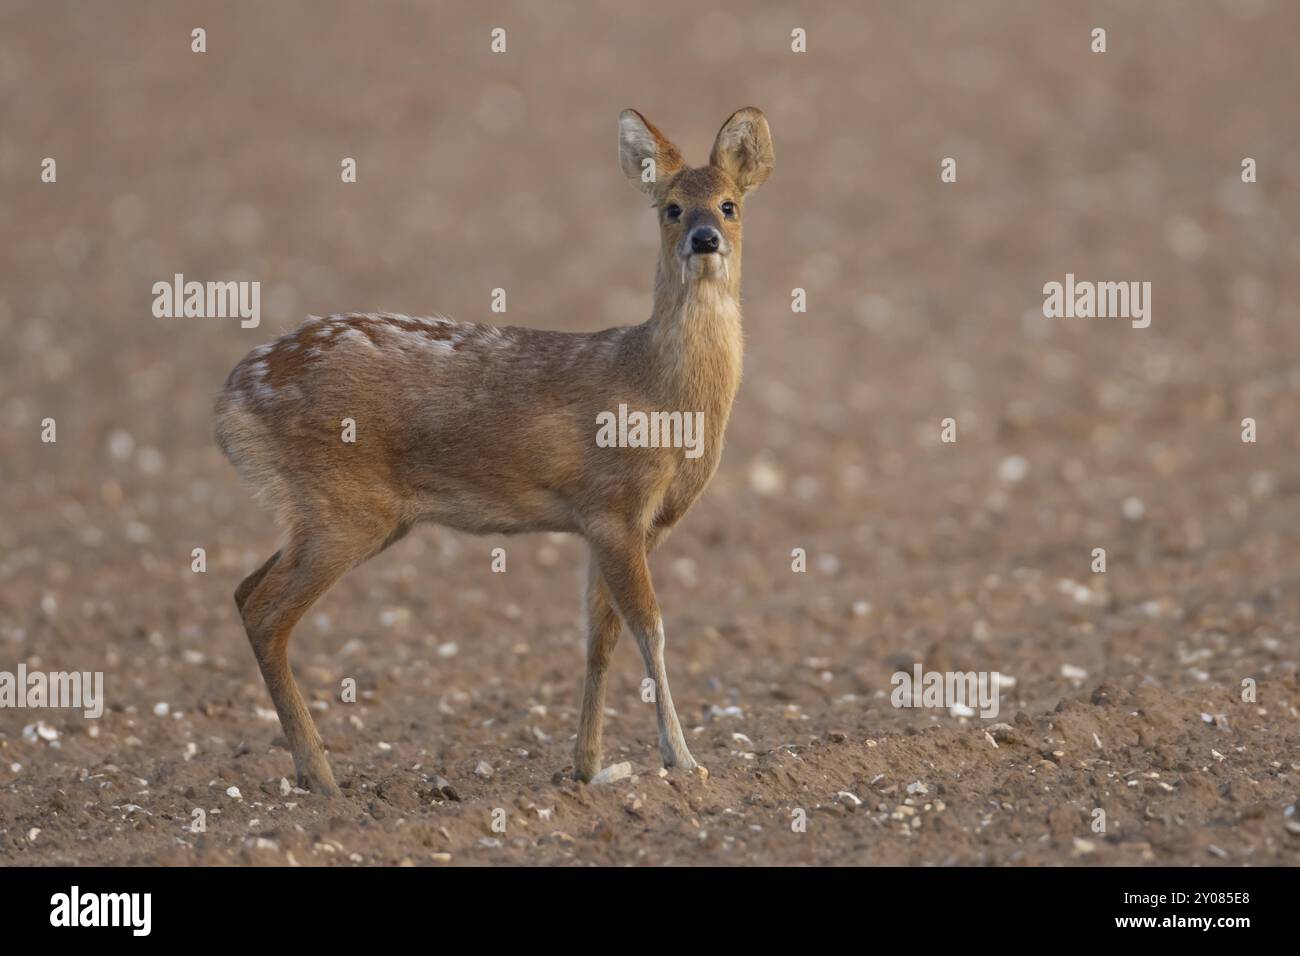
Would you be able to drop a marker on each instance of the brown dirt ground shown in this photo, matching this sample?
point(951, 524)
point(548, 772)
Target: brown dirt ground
point(478, 171)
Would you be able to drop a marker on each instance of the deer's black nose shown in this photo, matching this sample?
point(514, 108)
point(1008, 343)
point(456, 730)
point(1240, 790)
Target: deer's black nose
point(705, 239)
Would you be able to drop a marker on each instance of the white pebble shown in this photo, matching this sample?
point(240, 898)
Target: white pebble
point(612, 773)
point(1013, 469)
point(150, 461)
point(765, 479)
point(121, 444)
point(39, 731)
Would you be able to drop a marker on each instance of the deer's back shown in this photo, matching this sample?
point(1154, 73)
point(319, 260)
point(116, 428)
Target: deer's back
point(480, 428)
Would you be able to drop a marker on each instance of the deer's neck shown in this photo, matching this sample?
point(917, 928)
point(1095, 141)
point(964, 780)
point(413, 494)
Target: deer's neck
point(696, 341)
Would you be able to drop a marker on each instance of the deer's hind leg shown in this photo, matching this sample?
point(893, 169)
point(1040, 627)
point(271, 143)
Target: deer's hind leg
point(277, 595)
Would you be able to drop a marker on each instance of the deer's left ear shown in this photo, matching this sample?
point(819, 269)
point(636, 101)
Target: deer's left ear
point(743, 149)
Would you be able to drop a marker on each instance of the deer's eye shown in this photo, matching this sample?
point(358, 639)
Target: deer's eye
point(729, 209)
point(672, 212)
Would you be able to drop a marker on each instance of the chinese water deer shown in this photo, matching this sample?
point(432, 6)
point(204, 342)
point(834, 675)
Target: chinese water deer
point(489, 430)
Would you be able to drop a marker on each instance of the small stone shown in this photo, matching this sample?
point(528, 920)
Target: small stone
point(1013, 469)
point(444, 788)
point(612, 773)
point(234, 792)
point(1004, 733)
point(40, 731)
point(120, 444)
point(484, 770)
point(151, 461)
point(1133, 509)
point(765, 479)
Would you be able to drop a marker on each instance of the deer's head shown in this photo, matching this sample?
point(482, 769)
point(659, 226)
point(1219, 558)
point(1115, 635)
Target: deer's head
point(699, 207)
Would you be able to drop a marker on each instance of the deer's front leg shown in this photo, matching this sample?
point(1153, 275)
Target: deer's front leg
point(603, 629)
point(621, 557)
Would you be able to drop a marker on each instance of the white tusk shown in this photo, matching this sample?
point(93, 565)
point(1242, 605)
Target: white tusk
point(725, 270)
point(683, 272)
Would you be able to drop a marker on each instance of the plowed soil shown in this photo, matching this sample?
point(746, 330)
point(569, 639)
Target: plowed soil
point(479, 171)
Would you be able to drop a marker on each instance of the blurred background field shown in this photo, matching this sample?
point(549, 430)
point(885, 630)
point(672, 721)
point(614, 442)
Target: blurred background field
point(478, 171)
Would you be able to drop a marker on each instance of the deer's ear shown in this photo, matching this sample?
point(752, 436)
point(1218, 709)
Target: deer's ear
point(743, 149)
point(647, 157)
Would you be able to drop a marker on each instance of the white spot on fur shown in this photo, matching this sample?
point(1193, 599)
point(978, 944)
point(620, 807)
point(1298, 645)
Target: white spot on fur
point(262, 391)
point(356, 335)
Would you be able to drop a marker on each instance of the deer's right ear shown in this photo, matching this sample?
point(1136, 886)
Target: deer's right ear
point(647, 157)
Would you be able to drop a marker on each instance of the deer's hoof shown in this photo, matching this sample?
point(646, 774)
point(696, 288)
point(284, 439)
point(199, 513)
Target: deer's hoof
point(326, 789)
point(321, 784)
